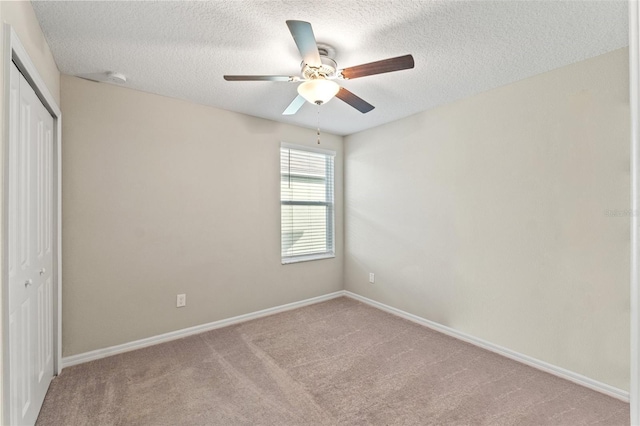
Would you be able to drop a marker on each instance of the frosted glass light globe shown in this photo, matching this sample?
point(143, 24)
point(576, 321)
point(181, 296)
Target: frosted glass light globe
point(318, 91)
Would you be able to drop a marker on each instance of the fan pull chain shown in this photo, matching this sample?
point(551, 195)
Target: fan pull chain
point(318, 124)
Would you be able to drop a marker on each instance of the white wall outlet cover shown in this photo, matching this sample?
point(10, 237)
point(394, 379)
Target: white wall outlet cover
point(372, 277)
point(181, 300)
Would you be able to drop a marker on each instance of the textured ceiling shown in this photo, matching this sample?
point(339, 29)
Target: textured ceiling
point(182, 49)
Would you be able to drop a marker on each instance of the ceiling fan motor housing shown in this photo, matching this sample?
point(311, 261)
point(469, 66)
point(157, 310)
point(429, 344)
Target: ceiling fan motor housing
point(326, 70)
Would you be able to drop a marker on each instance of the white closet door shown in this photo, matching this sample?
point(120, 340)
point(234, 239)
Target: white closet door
point(30, 259)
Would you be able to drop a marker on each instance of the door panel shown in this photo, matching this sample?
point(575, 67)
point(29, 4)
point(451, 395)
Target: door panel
point(26, 353)
point(30, 252)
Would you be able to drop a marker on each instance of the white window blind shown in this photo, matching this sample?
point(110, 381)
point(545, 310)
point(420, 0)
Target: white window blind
point(306, 198)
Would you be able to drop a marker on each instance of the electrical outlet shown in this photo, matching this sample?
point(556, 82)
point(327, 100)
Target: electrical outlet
point(372, 277)
point(181, 300)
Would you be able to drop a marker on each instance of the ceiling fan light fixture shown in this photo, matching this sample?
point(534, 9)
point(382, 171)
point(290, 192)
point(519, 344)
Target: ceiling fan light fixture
point(318, 91)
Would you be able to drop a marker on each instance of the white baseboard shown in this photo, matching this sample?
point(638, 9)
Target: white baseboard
point(178, 334)
point(524, 359)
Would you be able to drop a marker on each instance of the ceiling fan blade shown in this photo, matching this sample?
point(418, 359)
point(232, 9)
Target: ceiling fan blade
point(305, 40)
point(355, 101)
point(294, 106)
point(261, 78)
point(379, 67)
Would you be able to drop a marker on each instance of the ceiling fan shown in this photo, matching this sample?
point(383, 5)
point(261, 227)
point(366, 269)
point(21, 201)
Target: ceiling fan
point(319, 72)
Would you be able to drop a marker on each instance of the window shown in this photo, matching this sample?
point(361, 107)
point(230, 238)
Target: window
point(306, 203)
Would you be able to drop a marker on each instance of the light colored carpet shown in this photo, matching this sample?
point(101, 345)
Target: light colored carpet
point(335, 363)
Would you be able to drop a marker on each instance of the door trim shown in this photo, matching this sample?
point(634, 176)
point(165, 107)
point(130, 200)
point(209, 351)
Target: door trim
point(14, 51)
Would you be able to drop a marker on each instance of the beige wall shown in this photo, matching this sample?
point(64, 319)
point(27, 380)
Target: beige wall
point(21, 17)
point(488, 216)
point(161, 197)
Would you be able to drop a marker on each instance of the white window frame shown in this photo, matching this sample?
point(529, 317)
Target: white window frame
point(330, 253)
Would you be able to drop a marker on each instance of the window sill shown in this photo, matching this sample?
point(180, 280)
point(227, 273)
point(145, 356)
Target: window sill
point(307, 258)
